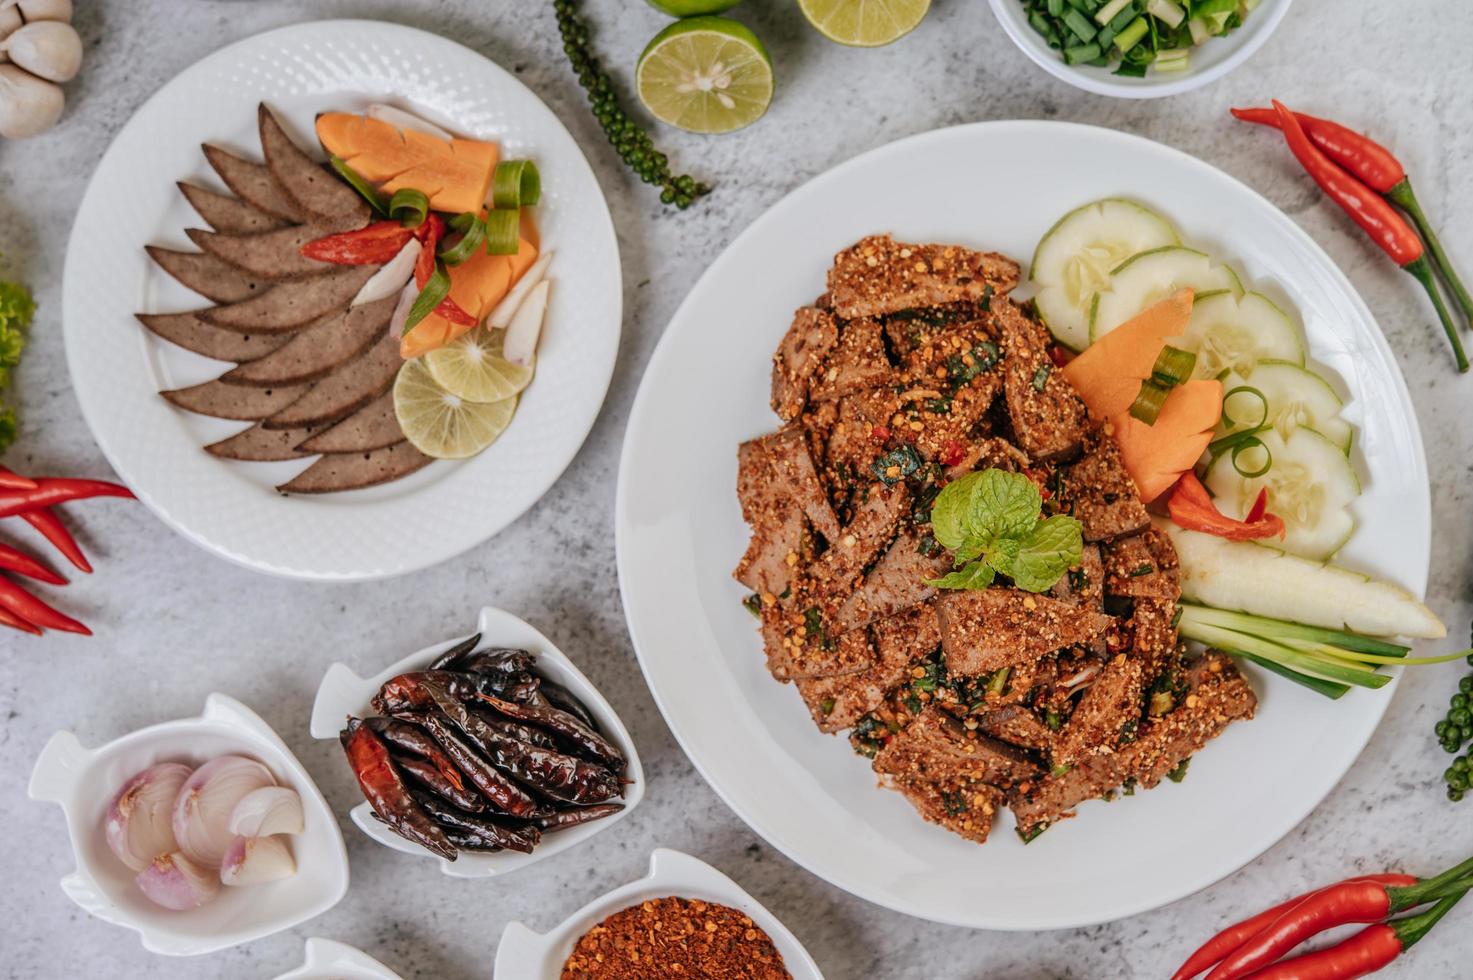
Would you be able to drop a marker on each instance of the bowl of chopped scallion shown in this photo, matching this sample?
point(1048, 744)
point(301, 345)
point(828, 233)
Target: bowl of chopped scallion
point(1139, 49)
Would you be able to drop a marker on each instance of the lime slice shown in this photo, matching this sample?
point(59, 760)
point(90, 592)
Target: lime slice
point(472, 367)
point(692, 8)
point(705, 75)
point(440, 424)
point(864, 23)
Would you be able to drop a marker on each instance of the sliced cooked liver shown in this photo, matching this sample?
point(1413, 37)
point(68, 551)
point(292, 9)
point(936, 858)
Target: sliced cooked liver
point(353, 471)
point(290, 305)
point(327, 201)
point(272, 255)
point(223, 401)
point(1049, 419)
point(212, 278)
point(1142, 566)
point(879, 275)
point(346, 390)
point(787, 451)
point(839, 702)
point(253, 183)
point(983, 630)
point(856, 363)
point(808, 341)
point(799, 646)
point(776, 521)
point(228, 214)
point(837, 570)
point(320, 348)
point(1100, 493)
point(1101, 721)
point(261, 445)
point(896, 582)
point(187, 330)
point(374, 426)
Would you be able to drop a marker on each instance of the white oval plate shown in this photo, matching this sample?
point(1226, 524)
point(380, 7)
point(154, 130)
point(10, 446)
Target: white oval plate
point(344, 693)
point(327, 959)
point(999, 186)
point(530, 955)
point(1209, 62)
point(118, 368)
point(83, 781)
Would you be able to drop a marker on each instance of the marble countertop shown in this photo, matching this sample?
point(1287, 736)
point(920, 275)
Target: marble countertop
point(174, 623)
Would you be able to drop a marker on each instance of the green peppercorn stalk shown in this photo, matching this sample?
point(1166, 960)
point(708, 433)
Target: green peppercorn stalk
point(626, 136)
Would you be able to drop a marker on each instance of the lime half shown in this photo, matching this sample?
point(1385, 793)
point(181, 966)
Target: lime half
point(472, 367)
point(864, 23)
point(692, 8)
point(705, 75)
point(443, 425)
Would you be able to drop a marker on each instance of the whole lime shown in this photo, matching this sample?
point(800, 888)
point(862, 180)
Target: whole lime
point(692, 8)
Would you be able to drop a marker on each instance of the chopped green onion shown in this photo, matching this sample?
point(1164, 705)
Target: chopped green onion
point(1129, 69)
point(1177, 59)
point(1166, 11)
point(1040, 377)
point(1305, 663)
point(1173, 367)
point(358, 183)
point(1329, 689)
point(998, 682)
point(1227, 420)
point(1040, 24)
point(1080, 26)
point(409, 207)
point(1244, 446)
point(1108, 12)
point(1132, 34)
point(1081, 52)
point(472, 238)
point(1283, 630)
point(503, 232)
point(515, 184)
point(1055, 8)
point(1147, 404)
point(436, 288)
point(1200, 32)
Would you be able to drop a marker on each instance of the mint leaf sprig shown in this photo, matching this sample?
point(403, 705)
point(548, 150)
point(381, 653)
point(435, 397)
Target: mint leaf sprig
point(993, 523)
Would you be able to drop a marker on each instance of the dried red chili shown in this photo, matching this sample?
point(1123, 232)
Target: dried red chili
point(675, 937)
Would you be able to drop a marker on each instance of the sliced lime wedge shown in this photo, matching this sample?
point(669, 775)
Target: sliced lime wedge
point(864, 23)
point(705, 75)
point(692, 8)
point(443, 425)
point(472, 367)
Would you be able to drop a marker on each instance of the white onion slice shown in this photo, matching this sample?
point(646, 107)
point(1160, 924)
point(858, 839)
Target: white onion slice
point(502, 313)
point(267, 811)
point(401, 312)
point(520, 343)
point(256, 860)
point(406, 121)
point(206, 801)
point(391, 276)
point(177, 883)
point(139, 822)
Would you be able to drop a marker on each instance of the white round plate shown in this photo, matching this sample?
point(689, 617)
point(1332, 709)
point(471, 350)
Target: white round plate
point(1209, 61)
point(997, 186)
point(118, 368)
point(530, 955)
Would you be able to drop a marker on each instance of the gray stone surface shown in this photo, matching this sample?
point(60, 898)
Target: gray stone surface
point(174, 623)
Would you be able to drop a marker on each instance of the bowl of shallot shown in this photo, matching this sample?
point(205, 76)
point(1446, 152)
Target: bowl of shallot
point(198, 834)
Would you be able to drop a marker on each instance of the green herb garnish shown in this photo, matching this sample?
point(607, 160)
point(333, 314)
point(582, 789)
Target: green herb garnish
point(993, 521)
point(1180, 772)
point(16, 310)
point(896, 465)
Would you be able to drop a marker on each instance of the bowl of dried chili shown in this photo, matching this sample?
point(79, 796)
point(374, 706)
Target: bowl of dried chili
point(680, 894)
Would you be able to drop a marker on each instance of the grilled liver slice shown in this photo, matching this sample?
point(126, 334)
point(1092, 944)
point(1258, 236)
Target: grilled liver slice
point(374, 426)
point(837, 703)
point(261, 445)
point(984, 630)
point(856, 363)
point(866, 535)
point(1101, 494)
point(787, 452)
point(291, 305)
point(801, 354)
point(327, 201)
point(354, 471)
point(776, 521)
point(214, 279)
point(253, 183)
point(1142, 566)
point(879, 275)
point(228, 214)
point(345, 390)
point(896, 582)
point(275, 256)
point(223, 401)
point(187, 330)
point(799, 644)
point(1049, 419)
point(319, 349)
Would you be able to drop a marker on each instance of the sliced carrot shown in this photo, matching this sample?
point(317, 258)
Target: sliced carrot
point(1157, 455)
point(476, 285)
point(455, 174)
point(1108, 374)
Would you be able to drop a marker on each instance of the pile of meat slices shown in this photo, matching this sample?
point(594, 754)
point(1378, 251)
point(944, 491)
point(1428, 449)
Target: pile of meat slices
point(913, 369)
point(313, 371)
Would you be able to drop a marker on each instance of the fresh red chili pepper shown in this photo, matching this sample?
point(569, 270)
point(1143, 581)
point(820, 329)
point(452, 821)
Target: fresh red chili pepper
point(1259, 508)
point(1362, 954)
point(433, 230)
point(1191, 507)
point(880, 433)
point(17, 561)
point(1059, 356)
point(373, 245)
point(8, 618)
point(953, 453)
point(44, 519)
point(11, 480)
point(50, 491)
point(1225, 942)
point(1380, 170)
point(1377, 218)
point(21, 603)
point(1350, 901)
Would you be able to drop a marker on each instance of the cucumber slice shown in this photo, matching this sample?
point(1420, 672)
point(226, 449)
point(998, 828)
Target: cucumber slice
point(1074, 258)
point(1231, 333)
point(1295, 397)
point(1310, 485)
point(1150, 277)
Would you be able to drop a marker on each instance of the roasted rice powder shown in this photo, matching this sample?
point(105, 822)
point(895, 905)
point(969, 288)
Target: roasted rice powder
point(675, 937)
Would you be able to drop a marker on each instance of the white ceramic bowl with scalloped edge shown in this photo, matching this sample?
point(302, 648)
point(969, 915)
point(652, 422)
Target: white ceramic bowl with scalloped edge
point(529, 955)
point(343, 693)
point(83, 781)
point(327, 959)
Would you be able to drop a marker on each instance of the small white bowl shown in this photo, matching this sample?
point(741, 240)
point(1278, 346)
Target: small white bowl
point(1210, 61)
point(83, 781)
point(529, 955)
point(343, 693)
point(328, 959)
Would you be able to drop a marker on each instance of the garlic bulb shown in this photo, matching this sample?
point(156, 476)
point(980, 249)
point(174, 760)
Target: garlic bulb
point(267, 811)
point(177, 883)
point(47, 49)
point(28, 105)
point(33, 10)
point(255, 860)
point(9, 23)
point(138, 825)
point(206, 801)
